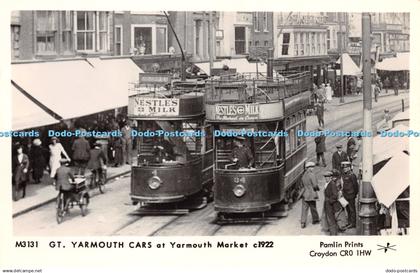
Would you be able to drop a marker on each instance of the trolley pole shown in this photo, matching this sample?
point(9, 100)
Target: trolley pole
point(367, 212)
point(340, 22)
point(270, 60)
point(211, 40)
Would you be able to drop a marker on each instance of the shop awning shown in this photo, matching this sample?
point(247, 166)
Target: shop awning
point(399, 63)
point(388, 146)
point(75, 88)
point(26, 114)
point(349, 67)
point(392, 179)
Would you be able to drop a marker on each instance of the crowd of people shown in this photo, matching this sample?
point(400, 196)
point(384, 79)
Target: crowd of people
point(32, 158)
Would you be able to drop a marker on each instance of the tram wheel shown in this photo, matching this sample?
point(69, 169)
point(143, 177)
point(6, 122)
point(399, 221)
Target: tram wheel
point(83, 206)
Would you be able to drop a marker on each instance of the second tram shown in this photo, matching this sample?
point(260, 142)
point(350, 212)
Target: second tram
point(258, 155)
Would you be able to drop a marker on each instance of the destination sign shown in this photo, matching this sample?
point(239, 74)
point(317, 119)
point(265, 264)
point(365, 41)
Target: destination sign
point(154, 78)
point(237, 111)
point(141, 106)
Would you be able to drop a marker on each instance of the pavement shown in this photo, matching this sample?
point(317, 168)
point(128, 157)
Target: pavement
point(356, 98)
point(43, 193)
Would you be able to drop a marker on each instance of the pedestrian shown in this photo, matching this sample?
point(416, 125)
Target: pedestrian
point(328, 92)
point(126, 134)
point(20, 167)
point(376, 91)
point(241, 154)
point(320, 147)
point(310, 195)
point(396, 85)
point(359, 85)
point(56, 151)
point(350, 191)
point(37, 160)
point(119, 143)
point(338, 157)
point(97, 162)
point(320, 113)
point(81, 151)
point(331, 204)
point(351, 148)
point(387, 84)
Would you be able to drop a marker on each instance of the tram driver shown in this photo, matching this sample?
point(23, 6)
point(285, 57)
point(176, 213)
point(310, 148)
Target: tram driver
point(241, 154)
point(163, 151)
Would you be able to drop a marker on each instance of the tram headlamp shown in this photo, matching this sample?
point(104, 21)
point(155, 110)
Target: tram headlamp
point(239, 190)
point(154, 182)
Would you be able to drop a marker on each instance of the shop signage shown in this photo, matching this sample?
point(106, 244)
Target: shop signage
point(237, 111)
point(154, 78)
point(141, 106)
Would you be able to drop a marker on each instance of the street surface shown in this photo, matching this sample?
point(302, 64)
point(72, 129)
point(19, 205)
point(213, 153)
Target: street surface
point(109, 213)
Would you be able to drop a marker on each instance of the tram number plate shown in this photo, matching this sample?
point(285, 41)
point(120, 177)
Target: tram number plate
point(237, 111)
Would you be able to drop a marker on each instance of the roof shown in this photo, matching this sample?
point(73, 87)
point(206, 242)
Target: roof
point(75, 88)
point(399, 63)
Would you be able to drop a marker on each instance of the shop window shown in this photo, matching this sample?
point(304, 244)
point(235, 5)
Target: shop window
point(313, 43)
point(197, 37)
point(302, 44)
point(265, 21)
point(46, 32)
point(285, 46)
point(318, 42)
point(257, 43)
point(296, 37)
point(240, 40)
point(265, 43)
point(308, 45)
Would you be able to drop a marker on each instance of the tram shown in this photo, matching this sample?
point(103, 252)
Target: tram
point(258, 155)
point(174, 170)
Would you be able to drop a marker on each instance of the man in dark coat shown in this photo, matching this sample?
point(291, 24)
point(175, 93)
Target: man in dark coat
point(320, 113)
point(396, 85)
point(350, 191)
point(338, 157)
point(351, 148)
point(81, 151)
point(97, 162)
point(62, 177)
point(331, 204)
point(241, 154)
point(320, 147)
point(20, 166)
point(128, 144)
point(310, 195)
point(37, 159)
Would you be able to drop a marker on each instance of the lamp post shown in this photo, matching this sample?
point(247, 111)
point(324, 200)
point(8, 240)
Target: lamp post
point(367, 211)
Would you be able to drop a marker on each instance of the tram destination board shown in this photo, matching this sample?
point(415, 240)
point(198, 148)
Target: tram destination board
point(154, 78)
point(237, 111)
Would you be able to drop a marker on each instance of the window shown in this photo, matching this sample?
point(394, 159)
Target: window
point(118, 40)
point(14, 39)
point(318, 43)
point(296, 37)
point(302, 44)
point(67, 31)
point(240, 40)
point(265, 43)
point(286, 41)
point(328, 38)
point(143, 40)
point(197, 35)
point(257, 43)
point(256, 23)
point(103, 31)
point(86, 30)
point(46, 32)
point(265, 21)
point(308, 45)
point(313, 43)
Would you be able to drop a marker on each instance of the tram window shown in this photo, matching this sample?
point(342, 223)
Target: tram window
point(292, 139)
point(298, 138)
point(287, 144)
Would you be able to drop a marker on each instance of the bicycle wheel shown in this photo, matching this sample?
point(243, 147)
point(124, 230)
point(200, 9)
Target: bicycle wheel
point(60, 209)
point(83, 205)
point(102, 182)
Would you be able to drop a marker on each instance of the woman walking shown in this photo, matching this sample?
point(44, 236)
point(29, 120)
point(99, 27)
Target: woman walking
point(56, 150)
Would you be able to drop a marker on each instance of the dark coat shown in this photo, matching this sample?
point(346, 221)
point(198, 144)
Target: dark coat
point(81, 149)
point(351, 147)
point(320, 110)
point(350, 186)
point(19, 176)
point(97, 159)
point(310, 185)
point(337, 159)
point(244, 156)
point(320, 144)
point(63, 175)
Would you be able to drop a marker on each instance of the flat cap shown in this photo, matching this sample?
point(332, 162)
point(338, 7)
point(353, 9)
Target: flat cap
point(309, 164)
point(345, 163)
point(339, 146)
point(328, 174)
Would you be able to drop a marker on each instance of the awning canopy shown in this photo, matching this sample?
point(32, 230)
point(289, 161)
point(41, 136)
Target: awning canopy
point(399, 63)
point(241, 65)
point(26, 114)
point(386, 147)
point(75, 88)
point(392, 179)
point(349, 67)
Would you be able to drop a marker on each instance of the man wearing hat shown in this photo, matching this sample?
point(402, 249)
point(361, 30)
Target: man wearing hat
point(331, 204)
point(351, 148)
point(350, 191)
point(310, 195)
point(62, 176)
point(320, 147)
point(338, 157)
point(241, 154)
point(97, 162)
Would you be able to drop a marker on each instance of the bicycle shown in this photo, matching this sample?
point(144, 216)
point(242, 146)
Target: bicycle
point(98, 179)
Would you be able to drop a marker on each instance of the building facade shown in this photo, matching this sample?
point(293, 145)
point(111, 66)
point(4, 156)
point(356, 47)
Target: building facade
point(391, 32)
point(61, 34)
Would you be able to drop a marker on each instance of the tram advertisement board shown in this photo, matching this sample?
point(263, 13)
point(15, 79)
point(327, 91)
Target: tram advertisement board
point(143, 106)
point(237, 111)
